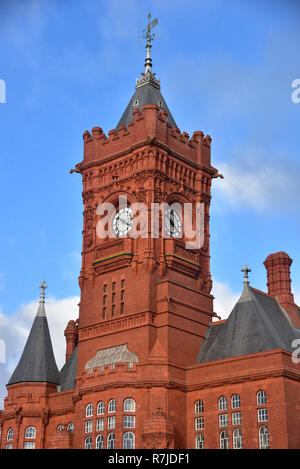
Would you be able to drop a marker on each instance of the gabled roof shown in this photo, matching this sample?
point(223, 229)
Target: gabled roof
point(257, 323)
point(37, 363)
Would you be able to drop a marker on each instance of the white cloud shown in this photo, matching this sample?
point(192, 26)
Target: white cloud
point(225, 299)
point(258, 185)
point(297, 295)
point(14, 331)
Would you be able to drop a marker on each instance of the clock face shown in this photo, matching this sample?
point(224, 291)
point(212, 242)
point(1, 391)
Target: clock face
point(122, 221)
point(173, 225)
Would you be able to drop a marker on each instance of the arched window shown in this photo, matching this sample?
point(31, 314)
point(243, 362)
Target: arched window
point(222, 403)
point(129, 405)
point(224, 440)
point(235, 401)
point(100, 408)
point(10, 434)
point(112, 406)
point(100, 442)
point(30, 432)
point(70, 427)
point(89, 410)
point(60, 427)
point(128, 440)
point(111, 441)
point(88, 443)
point(261, 398)
point(199, 407)
point(264, 438)
point(200, 441)
point(237, 439)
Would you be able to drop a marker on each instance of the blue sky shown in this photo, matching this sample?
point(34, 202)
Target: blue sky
point(226, 68)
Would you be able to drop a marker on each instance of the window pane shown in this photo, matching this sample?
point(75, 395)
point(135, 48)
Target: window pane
point(128, 440)
point(223, 420)
point(236, 418)
point(199, 423)
point(222, 403)
point(100, 442)
point(111, 441)
point(199, 407)
point(264, 438)
point(262, 415)
point(235, 401)
point(261, 398)
point(112, 406)
point(129, 405)
point(224, 440)
point(100, 408)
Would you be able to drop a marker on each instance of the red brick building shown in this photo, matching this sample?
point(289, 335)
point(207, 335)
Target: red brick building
point(146, 365)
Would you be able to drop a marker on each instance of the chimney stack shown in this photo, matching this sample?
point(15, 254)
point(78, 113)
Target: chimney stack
point(279, 278)
point(71, 335)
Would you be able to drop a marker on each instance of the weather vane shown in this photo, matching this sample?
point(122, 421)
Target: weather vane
point(150, 37)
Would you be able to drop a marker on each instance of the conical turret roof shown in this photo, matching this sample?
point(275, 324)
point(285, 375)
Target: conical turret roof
point(37, 363)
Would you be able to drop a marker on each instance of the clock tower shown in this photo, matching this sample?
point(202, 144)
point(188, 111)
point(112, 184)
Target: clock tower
point(145, 287)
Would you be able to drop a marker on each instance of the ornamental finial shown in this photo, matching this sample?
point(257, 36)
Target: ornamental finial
point(147, 76)
point(150, 37)
point(43, 287)
point(246, 271)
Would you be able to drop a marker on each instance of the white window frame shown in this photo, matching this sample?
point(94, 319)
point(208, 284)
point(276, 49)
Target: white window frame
point(128, 421)
point(88, 442)
point(199, 423)
point(224, 439)
point(223, 420)
point(199, 441)
point(264, 441)
point(100, 424)
point(111, 438)
point(129, 405)
point(88, 427)
point(112, 406)
point(261, 397)
point(101, 439)
point(10, 434)
point(199, 407)
point(235, 401)
point(111, 422)
point(236, 418)
point(100, 408)
point(70, 427)
point(30, 432)
point(237, 439)
point(223, 405)
point(262, 414)
point(29, 444)
point(89, 410)
point(129, 437)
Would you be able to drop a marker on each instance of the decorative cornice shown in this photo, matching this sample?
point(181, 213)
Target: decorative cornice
point(148, 78)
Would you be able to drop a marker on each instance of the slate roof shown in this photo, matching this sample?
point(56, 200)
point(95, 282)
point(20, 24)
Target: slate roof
point(146, 94)
point(257, 323)
point(68, 372)
point(37, 363)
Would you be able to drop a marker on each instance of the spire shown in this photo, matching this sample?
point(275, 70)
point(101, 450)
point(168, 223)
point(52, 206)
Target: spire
point(148, 76)
point(37, 363)
point(147, 89)
point(149, 37)
point(41, 309)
